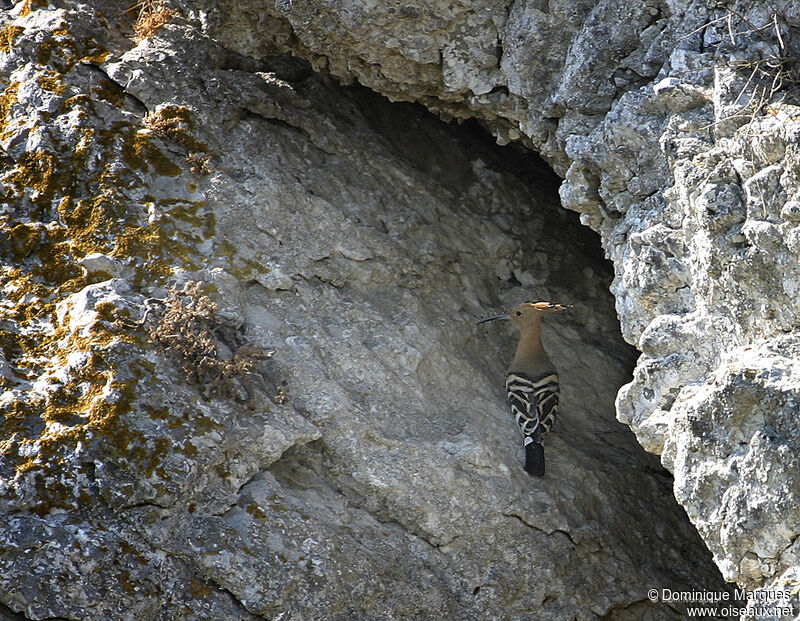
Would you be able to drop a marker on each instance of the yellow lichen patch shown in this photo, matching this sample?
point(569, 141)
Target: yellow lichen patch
point(106, 311)
point(149, 245)
point(108, 329)
point(142, 368)
point(29, 350)
point(58, 267)
point(129, 549)
point(90, 222)
point(182, 210)
point(23, 238)
point(49, 265)
point(7, 36)
point(189, 449)
point(240, 267)
point(44, 429)
point(138, 151)
point(161, 447)
point(22, 286)
point(205, 424)
point(162, 413)
point(11, 344)
point(96, 56)
point(134, 151)
point(30, 5)
point(82, 148)
point(7, 100)
point(51, 81)
point(105, 334)
point(38, 172)
point(81, 101)
point(76, 401)
point(256, 511)
point(139, 241)
point(159, 241)
point(71, 384)
point(62, 52)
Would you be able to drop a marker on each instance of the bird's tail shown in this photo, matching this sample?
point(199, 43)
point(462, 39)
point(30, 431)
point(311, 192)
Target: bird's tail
point(534, 457)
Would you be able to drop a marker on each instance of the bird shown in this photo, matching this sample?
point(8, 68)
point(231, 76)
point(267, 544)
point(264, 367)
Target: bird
point(532, 387)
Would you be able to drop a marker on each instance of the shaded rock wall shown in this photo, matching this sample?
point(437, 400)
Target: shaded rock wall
point(675, 127)
point(368, 469)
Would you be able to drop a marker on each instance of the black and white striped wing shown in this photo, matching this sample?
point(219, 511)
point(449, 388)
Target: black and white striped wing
point(534, 402)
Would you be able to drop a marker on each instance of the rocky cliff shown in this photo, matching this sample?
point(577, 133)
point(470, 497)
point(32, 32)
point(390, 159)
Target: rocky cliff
point(241, 377)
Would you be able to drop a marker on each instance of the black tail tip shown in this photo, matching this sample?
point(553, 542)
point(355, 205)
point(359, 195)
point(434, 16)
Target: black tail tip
point(534, 459)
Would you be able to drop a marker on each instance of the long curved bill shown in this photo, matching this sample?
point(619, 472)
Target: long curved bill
point(503, 316)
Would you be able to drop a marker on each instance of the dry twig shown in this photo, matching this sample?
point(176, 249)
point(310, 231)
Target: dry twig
point(153, 14)
point(187, 329)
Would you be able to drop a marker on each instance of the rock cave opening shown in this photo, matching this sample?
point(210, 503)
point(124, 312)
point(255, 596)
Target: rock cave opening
point(360, 240)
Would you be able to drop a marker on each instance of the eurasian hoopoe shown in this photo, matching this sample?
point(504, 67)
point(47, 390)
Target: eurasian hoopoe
point(532, 381)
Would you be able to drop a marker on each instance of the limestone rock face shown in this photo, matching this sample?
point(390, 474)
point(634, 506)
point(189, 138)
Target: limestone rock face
point(533, 71)
point(159, 461)
point(675, 127)
point(706, 282)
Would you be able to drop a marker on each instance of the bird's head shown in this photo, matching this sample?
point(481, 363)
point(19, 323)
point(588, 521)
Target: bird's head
point(529, 313)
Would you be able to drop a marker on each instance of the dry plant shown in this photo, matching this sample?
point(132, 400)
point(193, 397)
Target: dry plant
point(174, 123)
point(153, 14)
point(187, 328)
point(163, 126)
point(770, 81)
point(777, 75)
point(282, 396)
point(199, 163)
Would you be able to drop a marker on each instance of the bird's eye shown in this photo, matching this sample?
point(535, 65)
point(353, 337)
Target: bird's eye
point(518, 313)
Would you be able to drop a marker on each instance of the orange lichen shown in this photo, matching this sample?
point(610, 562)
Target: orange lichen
point(198, 589)
point(256, 511)
point(139, 241)
point(53, 424)
point(23, 238)
point(149, 244)
point(129, 549)
point(139, 152)
point(81, 102)
point(162, 413)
